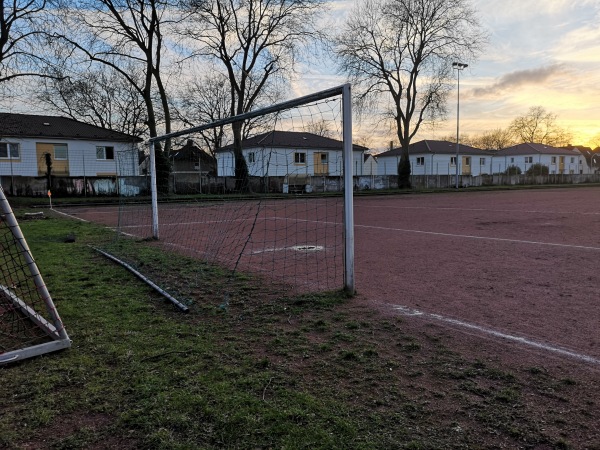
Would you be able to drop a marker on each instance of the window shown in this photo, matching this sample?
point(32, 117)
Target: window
point(251, 157)
point(467, 161)
point(482, 161)
point(105, 152)
point(60, 152)
point(420, 160)
point(300, 158)
point(9, 151)
point(554, 160)
point(324, 158)
point(512, 160)
point(453, 160)
point(529, 160)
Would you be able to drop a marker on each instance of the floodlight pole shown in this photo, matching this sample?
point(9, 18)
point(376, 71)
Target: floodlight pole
point(459, 67)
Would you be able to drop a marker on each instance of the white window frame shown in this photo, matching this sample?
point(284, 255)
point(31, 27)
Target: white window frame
point(482, 161)
point(10, 150)
point(553, 160)
point(300, 158)
point(102, 148)
point(529, 160)
point(56, 147)
point(420, 160)
point(251, 157)
point(453, 160)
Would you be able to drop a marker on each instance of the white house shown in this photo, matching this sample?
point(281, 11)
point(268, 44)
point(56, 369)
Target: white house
point(523, 156)
point(369, 165)
point(289, 153)
point(591, 158)
point(429, 157)
point(74, 148)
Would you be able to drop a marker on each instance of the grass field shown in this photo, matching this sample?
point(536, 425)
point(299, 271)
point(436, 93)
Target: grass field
point(263, 371)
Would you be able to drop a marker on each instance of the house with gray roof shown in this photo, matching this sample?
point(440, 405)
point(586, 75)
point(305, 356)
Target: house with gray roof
point(192, 159)
point(75, 149)
point(290, 154)
point(523, 156)
point(431, 157)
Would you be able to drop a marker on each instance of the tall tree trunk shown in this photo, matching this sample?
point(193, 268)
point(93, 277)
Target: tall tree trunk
point(242, 182)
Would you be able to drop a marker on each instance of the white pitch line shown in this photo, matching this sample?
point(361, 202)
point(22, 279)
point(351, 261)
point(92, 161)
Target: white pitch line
point(483, 210)
point(521, 340)
point(69, 215)
point(469, 236)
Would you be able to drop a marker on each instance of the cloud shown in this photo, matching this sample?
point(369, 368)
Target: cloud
point(520, 78)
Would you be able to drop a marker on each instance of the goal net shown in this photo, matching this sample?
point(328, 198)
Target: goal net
point(29, 322)
point(274, 202)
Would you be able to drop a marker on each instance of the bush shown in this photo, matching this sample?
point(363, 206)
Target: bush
point(538, 169)
point(512, 170)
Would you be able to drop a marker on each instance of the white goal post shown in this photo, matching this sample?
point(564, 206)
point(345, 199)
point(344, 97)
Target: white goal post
point(346, 169)
point(29, 322)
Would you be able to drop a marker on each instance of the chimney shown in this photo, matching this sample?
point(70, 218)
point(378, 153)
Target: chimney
point(391, 145)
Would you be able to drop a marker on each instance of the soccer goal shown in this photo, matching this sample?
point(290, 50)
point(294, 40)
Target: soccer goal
point(267, 193)
point(29, 322)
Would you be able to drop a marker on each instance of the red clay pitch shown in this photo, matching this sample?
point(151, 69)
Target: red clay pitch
point(517, 263)
point(518, 268)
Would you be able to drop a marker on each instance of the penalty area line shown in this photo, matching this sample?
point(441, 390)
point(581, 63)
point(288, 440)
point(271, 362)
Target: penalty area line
point(489, 331)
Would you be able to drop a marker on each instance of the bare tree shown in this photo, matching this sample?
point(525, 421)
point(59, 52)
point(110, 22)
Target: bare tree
point(539, 126)
point(496, 139)
point(257, 43)
point(20, 35)
point(399, 52)
point(99, 97)
point(126, 34)
point(319, 127)
point(595, 141)
point(202, 101)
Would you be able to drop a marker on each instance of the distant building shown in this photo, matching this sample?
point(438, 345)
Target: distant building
point(558, 160)
point(430, 157)
point(288, 153)
point(74, 148)
point(191, 158)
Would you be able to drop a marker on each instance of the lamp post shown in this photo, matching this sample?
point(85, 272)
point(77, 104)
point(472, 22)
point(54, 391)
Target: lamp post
point(459, 67)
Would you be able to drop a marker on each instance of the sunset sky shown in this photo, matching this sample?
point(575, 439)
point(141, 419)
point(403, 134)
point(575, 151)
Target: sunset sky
point(540, 53)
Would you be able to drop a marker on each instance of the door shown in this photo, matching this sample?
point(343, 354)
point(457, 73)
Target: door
point(321, 160)
point(561, 164)
point(466, 165)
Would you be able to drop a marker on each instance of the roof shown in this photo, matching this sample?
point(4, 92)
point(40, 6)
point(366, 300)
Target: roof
point(432, 147)
point(189, 152)
point(535, 149)
point(587, 152)
point(293, 139)
point(36, 126)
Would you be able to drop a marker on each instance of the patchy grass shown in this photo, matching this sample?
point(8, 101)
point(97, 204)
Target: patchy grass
point(260, 371)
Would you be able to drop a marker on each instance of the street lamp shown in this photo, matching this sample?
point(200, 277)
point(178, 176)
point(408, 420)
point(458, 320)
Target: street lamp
point(459, 67)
